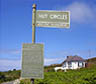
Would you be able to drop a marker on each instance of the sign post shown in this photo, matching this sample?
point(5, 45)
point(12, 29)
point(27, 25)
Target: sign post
point(33, 23)
point(33, 29)
point(32, 54)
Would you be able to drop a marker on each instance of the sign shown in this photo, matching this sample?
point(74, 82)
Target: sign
point(57, 19)
point(32, 61)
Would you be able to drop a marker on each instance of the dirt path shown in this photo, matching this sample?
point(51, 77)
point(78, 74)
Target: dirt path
point(8, 82)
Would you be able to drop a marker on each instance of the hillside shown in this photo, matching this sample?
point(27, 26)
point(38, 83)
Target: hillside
point(91, 62)
point(80, 76)
point(84, 75)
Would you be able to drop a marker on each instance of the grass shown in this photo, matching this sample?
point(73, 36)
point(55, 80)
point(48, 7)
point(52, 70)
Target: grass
point(80, 76)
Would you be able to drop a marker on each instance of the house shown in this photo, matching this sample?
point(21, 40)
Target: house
point(72, 62)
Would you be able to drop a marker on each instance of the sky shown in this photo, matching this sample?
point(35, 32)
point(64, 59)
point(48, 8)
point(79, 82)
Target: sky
point(16, 29)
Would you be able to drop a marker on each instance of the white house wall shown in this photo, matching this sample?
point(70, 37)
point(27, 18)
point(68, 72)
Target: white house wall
point(66, 67)
point(74, 65)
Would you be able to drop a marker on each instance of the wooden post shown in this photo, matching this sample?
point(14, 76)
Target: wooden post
point(33, 22)
point(33, 29)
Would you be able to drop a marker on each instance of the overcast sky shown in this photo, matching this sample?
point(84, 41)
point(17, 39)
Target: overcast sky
point(16, 28)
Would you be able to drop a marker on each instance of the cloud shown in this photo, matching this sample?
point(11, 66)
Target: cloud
point(9, 51)
point(6, 64)
point(81, 12)
point(62, 54)
point(48, 61)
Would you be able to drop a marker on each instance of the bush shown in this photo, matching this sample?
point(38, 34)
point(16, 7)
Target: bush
point(9, 76)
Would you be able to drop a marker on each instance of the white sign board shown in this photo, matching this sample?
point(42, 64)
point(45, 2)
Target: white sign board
point(56, 19)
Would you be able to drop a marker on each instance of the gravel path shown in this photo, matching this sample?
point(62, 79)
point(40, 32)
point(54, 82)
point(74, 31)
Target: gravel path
point(8, 82)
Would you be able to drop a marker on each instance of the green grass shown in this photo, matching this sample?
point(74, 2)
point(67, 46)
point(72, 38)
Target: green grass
point(81, 76)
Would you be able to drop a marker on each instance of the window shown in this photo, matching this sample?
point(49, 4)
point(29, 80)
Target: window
point(80, 64)
point(64, 65)
point(69, 64)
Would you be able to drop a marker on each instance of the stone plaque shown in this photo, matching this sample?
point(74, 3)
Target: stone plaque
point(32, 61)
point(56, 19)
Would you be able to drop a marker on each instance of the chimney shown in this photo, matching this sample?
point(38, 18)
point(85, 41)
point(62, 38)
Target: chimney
point(69, 56)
